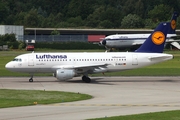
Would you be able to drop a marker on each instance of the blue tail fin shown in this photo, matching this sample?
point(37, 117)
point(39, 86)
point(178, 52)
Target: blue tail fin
point(172, 29)
point(155, 42)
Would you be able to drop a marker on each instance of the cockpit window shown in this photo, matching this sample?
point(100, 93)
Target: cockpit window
point(17, 59)
point(107, 39)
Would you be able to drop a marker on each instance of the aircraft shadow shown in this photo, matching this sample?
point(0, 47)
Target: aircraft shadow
point(99, 80)
point(111, 82)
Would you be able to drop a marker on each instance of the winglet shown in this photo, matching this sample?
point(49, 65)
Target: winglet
point(172, 28)
point(155, 42)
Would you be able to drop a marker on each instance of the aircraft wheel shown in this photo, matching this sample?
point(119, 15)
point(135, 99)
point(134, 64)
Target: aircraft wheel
point(86, 79)
point(30, 80)
point(83, 78)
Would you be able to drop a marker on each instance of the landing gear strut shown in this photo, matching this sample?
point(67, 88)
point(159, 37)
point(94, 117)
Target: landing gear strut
point(86, 79)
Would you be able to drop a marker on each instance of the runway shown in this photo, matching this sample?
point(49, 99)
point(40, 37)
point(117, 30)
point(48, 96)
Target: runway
point(112, 96)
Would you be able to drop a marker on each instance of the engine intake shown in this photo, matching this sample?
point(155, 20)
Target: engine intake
point(62, 74)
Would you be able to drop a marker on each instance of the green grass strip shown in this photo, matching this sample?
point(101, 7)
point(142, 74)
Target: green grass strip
point(14, 98)
point(167, 115)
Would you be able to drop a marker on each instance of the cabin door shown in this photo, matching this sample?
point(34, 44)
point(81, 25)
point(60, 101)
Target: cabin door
point(134, 60)
point(30, 60)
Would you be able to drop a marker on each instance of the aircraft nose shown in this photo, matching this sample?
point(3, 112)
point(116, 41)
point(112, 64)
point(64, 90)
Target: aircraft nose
point(8, 66)
point(104, 42)
point(100, 43)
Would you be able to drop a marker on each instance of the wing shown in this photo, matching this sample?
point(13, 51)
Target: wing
point(176, 44)
point(176, 37)
point(137, 43)
point(174, 41)
point(91, 68)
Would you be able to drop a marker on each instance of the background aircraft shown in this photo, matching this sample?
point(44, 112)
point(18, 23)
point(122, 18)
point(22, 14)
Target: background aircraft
point(65, 66)
point(122, 41)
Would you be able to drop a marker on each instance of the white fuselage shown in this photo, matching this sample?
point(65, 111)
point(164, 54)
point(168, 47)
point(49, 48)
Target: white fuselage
point(127, 40)
point(84, 62)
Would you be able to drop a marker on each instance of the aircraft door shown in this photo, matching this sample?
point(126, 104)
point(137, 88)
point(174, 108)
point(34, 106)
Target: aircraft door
point(134, 59)
point(30, 60)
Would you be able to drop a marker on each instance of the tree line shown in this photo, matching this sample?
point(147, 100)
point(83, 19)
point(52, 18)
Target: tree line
point(10, 40)
point(87, 13)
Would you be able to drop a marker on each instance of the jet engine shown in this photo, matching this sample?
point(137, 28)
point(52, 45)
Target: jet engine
point(63, 74)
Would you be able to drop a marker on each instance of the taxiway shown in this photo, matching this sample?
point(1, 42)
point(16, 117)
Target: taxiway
point(112, 96)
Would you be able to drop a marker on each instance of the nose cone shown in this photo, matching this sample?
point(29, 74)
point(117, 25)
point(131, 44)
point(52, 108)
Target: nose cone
point(9, 66)
point(104, 42)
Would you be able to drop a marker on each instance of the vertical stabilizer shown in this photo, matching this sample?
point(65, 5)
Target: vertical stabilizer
point(172, 28)
point(155, 42)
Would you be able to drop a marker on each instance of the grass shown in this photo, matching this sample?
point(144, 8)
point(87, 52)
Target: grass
point(167, 115)
point(14, 98)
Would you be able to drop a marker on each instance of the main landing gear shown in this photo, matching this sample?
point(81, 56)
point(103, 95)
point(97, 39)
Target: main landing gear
point(31, 79)
point(86, 79)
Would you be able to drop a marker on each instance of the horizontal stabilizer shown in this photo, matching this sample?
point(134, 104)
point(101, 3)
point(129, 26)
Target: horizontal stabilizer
point(160, 58)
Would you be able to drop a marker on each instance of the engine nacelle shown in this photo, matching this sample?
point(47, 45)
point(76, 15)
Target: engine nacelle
point(63, 74)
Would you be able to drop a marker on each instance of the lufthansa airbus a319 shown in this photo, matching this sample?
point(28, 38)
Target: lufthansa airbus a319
point(65, 66)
